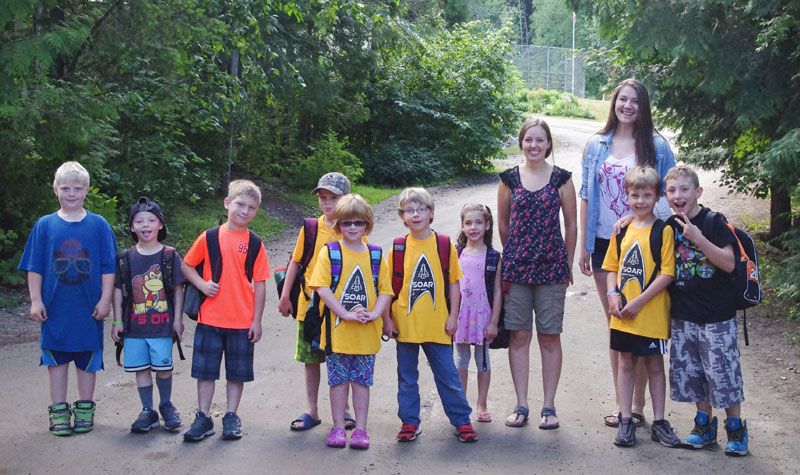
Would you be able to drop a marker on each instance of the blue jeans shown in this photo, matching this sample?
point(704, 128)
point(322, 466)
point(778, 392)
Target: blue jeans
point(445, 375)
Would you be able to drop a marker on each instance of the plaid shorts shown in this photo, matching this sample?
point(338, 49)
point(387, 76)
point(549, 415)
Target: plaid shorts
point(704, 364)
point(303, 352)
point(210, 343)
point(359, 369)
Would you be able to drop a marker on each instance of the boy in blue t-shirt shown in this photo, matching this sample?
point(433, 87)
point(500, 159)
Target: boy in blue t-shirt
point(69, 258)
point(148, 305)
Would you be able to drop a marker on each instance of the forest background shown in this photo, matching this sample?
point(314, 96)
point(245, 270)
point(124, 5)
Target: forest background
point(170, 99)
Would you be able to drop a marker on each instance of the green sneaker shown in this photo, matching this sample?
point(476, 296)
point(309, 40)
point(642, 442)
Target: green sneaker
point(84, 416)
point(60, 419)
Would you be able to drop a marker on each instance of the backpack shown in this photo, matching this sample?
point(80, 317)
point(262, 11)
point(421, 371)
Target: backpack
point(299, 284)
point(124, 266)
point(312, 325)
point(398, 271)
point(192, 297)
point(656, 241)
point(489, 275)
point(745, 274)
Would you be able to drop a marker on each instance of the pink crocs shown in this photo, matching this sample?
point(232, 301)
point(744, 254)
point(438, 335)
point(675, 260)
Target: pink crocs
point(337, 438)
point(359, 439)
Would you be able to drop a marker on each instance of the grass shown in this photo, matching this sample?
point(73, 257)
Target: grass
point(10, 300)
point(599, 109)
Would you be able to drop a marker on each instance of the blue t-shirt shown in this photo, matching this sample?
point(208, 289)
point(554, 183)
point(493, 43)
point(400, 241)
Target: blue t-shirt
point(71, 258)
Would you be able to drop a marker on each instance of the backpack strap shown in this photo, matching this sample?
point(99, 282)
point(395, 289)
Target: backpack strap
point(335, 256)
point(310, 231)
point(167, 276)
point(124, 266)
point(375, 258)
point(253, 248)
point(398, 257)
point(443, 249)
point(490, 273)
point(214, 253)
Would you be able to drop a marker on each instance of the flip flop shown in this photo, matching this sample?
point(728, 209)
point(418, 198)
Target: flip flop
point(612, 420)
point(484, 416)
point(638, 419)
point(349, 421)
point(548, 412)
point(304, 422)
point(513, 419)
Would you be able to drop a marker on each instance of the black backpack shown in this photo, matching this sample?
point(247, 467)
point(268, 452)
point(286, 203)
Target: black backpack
point(124, 266)
point(299, 284)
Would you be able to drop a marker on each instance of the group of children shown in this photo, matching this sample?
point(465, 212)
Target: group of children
point(426, 293)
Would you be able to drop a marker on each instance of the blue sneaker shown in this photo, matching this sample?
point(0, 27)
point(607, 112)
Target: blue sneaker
point(147, 420)
point(702, 435)
point(202, 427)
point(231, 426)
point(172, 419)
point(737, 437)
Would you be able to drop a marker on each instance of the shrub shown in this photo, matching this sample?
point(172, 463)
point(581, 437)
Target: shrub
point(329, 154)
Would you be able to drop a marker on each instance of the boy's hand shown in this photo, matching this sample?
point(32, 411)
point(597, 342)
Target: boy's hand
point(209, 288)
point(254, 333)
point(632, 309)
point(583, 263)
point(690, 231)
point(389, 329)
point(177, 326)
point(115, 331)
point(451, 325)
point(490, 333)
point(614, 303)
point(285, 306)
point(38, 312)
point(101, 310)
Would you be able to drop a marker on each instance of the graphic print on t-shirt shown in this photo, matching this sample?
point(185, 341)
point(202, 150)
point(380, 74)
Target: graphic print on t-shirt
point(149, 298)
point(421, 283)
point(72, 263)
point(632, 267)
point(354, 294)
point(692, 262)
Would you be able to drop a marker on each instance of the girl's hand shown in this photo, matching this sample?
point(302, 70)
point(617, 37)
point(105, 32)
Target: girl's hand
point(583, 263)
point(115, 331)
point(570, 278)
point(490, 332)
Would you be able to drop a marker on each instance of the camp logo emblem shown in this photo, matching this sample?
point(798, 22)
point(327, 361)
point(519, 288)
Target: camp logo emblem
point(354, 295)
point(632, 267)
point(421, 283)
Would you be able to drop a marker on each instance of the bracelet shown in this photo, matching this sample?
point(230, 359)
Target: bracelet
point(611, 292)
point(117, 322)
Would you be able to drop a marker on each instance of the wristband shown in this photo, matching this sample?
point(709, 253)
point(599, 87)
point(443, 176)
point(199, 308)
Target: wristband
point(611, 292)
point(117, 322)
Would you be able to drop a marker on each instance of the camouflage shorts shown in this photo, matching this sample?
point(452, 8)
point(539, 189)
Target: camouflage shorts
point(704, 363)
point(303, 352)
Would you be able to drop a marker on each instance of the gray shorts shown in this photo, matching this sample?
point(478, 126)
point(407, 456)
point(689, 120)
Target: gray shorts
point(704, 364)
point(545, 301)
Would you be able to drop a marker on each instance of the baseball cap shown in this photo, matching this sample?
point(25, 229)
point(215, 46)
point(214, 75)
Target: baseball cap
point(146, 204)
point(334, 182)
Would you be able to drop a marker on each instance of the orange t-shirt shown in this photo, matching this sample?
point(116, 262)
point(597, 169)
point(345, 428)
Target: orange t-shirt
point(234, 304)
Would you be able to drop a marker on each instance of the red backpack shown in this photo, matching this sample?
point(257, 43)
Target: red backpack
point(398, 271)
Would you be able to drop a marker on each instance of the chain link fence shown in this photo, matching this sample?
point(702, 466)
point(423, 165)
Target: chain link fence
point(548, 67)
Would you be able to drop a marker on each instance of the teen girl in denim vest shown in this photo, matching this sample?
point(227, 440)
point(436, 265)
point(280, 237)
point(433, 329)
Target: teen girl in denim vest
point(627, 140)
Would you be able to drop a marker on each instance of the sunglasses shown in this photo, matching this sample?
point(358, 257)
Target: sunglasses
point(348, 224)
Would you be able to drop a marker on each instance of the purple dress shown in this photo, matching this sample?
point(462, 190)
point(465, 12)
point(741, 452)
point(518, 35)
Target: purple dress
point(535, 252)
point(475, 312)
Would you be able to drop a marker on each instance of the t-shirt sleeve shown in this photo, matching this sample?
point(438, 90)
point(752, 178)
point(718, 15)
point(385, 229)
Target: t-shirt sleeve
point(33, 255)
point(667, 252)
point(455, 267)
point(721, 235)
point(611, 261)
point(197, 253)
point(385, 279)
point(261, 267)
point(177, 275)
point(108, 249)
point(321, 276)
point(297, 253)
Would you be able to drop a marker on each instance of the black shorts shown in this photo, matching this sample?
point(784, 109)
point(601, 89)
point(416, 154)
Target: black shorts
point(637, 345)
point(599, 253)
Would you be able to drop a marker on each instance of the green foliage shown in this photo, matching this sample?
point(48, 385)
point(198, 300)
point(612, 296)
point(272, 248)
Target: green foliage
point(555, 103)
point(329, 154)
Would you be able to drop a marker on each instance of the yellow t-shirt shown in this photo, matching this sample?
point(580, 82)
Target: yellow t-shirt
point(637, 265)
point(325, 234)
point(355, 288)
point(420, 315)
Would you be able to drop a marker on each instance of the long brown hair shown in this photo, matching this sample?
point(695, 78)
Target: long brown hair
point(643, 128)
point(461, 241)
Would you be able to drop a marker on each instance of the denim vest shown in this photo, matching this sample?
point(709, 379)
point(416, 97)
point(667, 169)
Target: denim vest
point(596, 152)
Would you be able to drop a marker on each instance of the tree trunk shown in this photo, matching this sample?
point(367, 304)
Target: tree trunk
point(780, 208)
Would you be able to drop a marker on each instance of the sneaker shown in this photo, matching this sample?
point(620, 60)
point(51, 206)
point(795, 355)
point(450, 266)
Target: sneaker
point(231, 426)
point(83, 411)
point(408, 432)
point(202, 427)
point(702, 435)
point(359, 439)
point(466, 433)
point(626, 434)
point(337, 438)
point(172, 419)
point(737, 438)
point(148, 419)
point(662, 433)
point(60, 416)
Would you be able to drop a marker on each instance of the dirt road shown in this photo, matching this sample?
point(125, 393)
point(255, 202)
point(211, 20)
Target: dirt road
point(581, 445)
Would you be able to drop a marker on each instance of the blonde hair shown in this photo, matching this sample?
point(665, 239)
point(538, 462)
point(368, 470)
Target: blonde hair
point(682, 170)
point(487, 216)
point(642, 177)
point(351, 207)
point(244, 187)
point(71, 171)
point(418, 194)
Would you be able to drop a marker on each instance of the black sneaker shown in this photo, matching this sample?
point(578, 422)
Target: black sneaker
point(626, 435)
point(202, 427)
point(148, 419)
point(662, 432)
point(172, 419)
point(231, 426)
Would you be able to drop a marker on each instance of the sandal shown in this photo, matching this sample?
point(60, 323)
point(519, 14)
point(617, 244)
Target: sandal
point(638, 419)
point(349, 421)
point(514, 419)
point(466, 433)
point(304, 422)
point(546, 413)
point(612, 420)
point(484, 416)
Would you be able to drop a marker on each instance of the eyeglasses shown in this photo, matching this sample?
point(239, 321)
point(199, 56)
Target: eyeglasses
point(411, 211)
point(349, 224)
